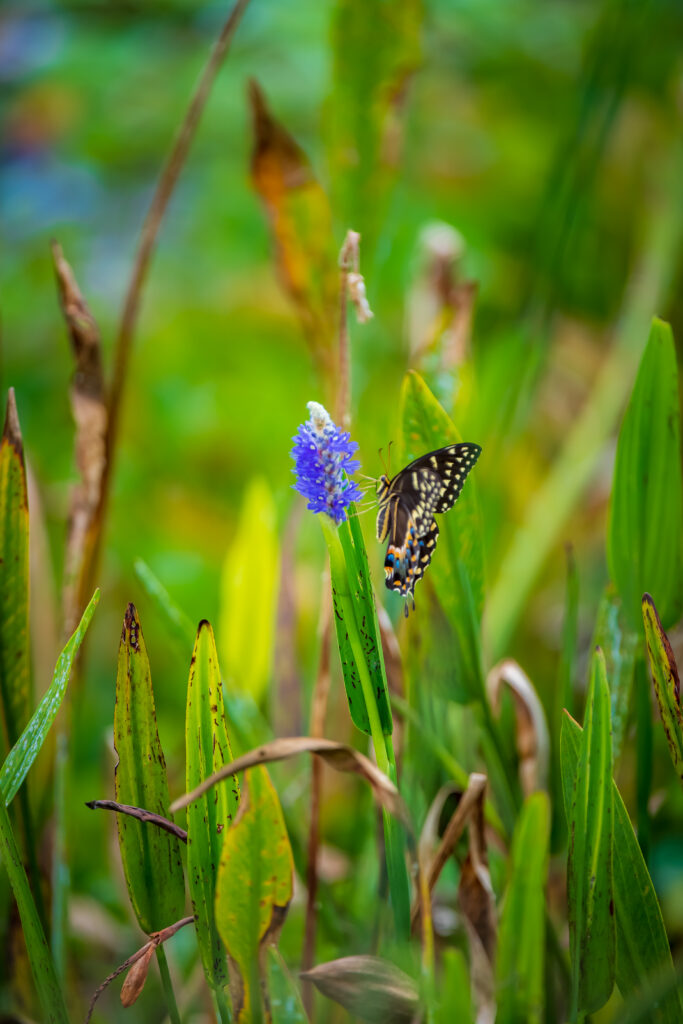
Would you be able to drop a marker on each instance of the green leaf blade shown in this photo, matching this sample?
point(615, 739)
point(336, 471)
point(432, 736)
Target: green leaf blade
point(207, 749)
point(26, 749)
point(151, 857)
point(521, 943)
point(589, 871)
point(645, 548)
point(15, 689)
point(643, 954)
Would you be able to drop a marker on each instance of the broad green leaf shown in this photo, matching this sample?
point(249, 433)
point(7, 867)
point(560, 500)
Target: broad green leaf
point(360, 647)
point(283, 993)
point(253, 889)
point(645, 546)
point(301, 226)
point(25, 750)
point(42, 965)
point(376, 47)
point(619, 643)
point(521, 937)
point(643, 951)
point(457, 569)
point(151, 857)
point(589, 869)
point(249, 594)
point(666, 682)
point(15, 689)
point(207, 748)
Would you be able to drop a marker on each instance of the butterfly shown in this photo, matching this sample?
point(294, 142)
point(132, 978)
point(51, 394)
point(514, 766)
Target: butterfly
point(407, 503)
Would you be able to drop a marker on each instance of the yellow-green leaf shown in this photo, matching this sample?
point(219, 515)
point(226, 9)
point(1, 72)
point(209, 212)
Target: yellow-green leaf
point(249, 594)
point(207, 748)
point(15, 691)
point(254, 888)
point(151, 857)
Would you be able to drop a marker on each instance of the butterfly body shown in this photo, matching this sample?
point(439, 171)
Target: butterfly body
point(407, 503)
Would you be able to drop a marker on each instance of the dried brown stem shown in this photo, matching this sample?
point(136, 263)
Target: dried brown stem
point(318, 713)
point(141, 814)
point(150, 230)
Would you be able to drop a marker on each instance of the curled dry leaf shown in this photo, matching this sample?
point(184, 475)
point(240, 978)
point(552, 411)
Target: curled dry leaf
point(339, 756)
point(368, 987)
point(301, 226)
point(533, 741)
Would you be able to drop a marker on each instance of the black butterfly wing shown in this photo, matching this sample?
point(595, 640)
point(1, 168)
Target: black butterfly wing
point(405, 563)
point(450, 465)
point(431, 483)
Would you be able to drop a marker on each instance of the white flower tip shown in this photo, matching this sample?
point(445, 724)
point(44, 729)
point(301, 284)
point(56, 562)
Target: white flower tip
point(320, 417)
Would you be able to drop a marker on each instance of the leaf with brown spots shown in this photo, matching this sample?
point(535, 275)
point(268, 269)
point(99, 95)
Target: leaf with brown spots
point(151, 857)
point(207, 749)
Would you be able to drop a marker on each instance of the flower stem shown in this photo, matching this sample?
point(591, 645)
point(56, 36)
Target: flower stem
point(384, 751)
point(171, 1005)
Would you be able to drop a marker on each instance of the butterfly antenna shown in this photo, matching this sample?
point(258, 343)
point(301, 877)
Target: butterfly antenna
point(389, 458)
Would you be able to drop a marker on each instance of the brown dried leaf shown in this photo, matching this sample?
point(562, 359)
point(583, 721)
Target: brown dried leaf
point(136, 977)
point(90, 416)
point(533, 741)
point(368, 987)
point(301, 226)
point(339, 756)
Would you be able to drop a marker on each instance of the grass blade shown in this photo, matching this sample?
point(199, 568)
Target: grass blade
point(589, 870)
point(25, 750)
point(521, 937)
point(207, 748)
point(645, 547)
point(642, 946)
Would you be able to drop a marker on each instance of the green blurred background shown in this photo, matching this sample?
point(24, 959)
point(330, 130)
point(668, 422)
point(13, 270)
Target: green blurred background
point(547, 133)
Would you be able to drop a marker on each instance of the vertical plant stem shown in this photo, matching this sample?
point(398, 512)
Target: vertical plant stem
point(167, 986)
point(42, 965)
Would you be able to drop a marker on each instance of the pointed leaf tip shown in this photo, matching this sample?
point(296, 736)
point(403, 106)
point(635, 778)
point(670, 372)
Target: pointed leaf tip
point(12, 430)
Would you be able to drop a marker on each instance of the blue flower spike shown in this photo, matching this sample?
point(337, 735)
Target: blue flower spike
point(323, 463)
